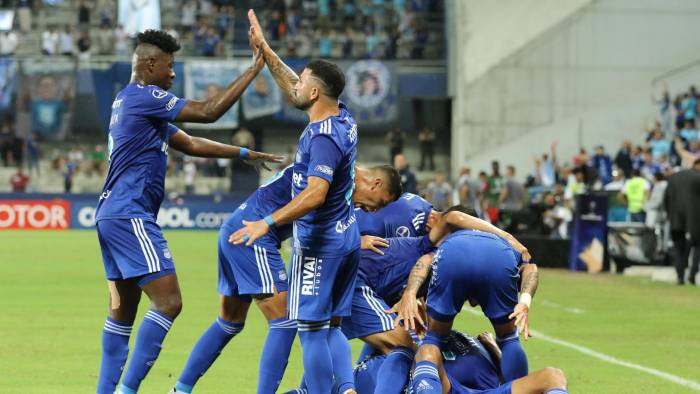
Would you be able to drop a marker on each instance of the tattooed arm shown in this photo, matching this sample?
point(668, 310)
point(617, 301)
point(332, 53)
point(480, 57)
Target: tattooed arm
point(407, 308)
point(531, 279)
point(285, 77)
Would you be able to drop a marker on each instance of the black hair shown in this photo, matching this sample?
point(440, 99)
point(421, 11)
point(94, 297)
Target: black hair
point(164, 41)
point(393, 180)
point(659, 176)
point(696, 162)
point(461, 208)
point(331, 75)
point(636, 172)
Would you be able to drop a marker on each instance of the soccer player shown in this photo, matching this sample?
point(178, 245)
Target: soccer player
point(326, 238)
point(409, 216)
point(382, 278)
point(258, 273)
point(483, 269)
point(135, 254)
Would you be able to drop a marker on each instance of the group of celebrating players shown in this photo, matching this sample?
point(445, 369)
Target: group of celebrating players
point(359, 245)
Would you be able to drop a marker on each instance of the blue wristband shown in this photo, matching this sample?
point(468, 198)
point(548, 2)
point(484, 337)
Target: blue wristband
point(243, 153)
point(268, 219)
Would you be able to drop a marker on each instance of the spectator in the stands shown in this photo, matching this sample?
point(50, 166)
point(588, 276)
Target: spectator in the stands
point(618, 181)
point(188, 17)
point(293, 21)
point(69, 169)
point(576, 184)
point(190, 170)
point(32, 143)
point(66, 42)
point(84, 44)
point(8, 43)
point(623, 159)
point(325, 42)
point(689, 155)
point(654, 206)
point(556, 217)
point(439, 192)
point(635, 194)
point(210, 43)
point(513, 194)
point(19, 181)
point(394, 140)
point(348, 42)
point(658, 144)
point(426, 137)
point(581, 157)
point(545, 169)
point(495, 186)
point(104, 40)
point(224, 20)
point(602, 164)
point(689, 104)
point(408, 179)
point(468, 189)
point(121, 42)
point(689, 132)
point(649, 166)
point(84, 13)
point(665, 110)
point(49, 41)
point(105, 11)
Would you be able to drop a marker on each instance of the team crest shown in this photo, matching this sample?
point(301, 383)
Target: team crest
point(403, 231)
point(159, 93)
point(282, 275)
point(166, 254)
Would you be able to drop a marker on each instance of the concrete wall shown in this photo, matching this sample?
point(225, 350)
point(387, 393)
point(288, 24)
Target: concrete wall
point(584, 81)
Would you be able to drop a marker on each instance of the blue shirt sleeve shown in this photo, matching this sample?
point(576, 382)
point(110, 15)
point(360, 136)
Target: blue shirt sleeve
point(155, 102)
point(172, 129)
point(325, 158)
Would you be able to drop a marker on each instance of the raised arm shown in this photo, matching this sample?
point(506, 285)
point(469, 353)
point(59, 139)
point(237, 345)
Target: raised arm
point(285, 77)
point(209, 111)
point(686, 157)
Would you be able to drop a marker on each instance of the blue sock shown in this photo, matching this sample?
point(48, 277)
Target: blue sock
point(205, 352)
point(366, 352)
point(275, 354)
point(149, 340)
point(513, 360)
point(426, 379)
point(115, 350)
point(318, 364)
point(393, 374)
point(557, 391)
point(342, 360)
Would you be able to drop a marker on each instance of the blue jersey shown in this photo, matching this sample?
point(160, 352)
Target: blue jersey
point(328, 149)
point(138, 152)
point(387, 274)
point(405, 217)
point(468, 362)
point(270, 196)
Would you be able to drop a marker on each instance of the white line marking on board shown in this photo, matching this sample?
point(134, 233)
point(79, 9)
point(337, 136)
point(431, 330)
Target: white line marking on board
point(575, 311)
point(608, 359)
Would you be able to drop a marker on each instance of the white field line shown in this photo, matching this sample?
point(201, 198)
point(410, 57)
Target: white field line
point(691, 384)
point(575, 311)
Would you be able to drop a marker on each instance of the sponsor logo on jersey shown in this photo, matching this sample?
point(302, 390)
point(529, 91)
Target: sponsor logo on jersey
point(297, 179)
point(159, 93)
point(434, 267)
point(171, 104)
point(341, 227)
point(310, 276)
point(324, 169)
point(403, 231)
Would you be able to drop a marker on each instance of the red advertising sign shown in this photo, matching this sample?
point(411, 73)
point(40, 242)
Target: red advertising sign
point(35, 214)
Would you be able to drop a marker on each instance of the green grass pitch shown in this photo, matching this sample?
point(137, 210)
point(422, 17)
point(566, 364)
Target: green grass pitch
point(53, 300)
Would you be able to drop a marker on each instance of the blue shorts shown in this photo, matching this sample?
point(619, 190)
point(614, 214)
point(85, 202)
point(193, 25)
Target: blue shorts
point(367, 315)
point(249, 270)
point(321, 287)
point(134, 248)
point(474, 266)
point(459, 389)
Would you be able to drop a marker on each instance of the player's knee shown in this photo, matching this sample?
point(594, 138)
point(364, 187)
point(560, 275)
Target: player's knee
point(428, 353)
point(555, 378)
point(170, 306)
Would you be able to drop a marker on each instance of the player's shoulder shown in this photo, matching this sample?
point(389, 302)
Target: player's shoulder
point(341, 129)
